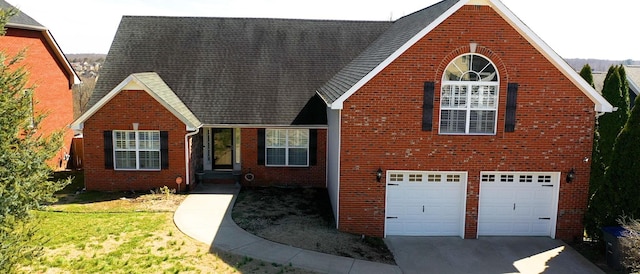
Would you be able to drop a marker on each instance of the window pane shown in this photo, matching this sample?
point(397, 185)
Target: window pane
point(298, 157)
point(125, 159)
point(483, 97)
point(482, 121)
point(276, 137)
point(125, 139)
point(149, 159)
point(452, 121)
point(299, 138)
point(149, 140)
point(276, 156)
point(454, 96)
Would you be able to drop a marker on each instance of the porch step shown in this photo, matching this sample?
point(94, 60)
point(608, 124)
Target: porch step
point(217, 177)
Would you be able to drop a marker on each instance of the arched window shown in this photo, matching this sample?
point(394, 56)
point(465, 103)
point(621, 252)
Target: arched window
point(469, 96)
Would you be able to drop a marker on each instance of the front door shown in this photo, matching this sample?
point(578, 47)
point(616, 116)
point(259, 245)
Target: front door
point(222, 148)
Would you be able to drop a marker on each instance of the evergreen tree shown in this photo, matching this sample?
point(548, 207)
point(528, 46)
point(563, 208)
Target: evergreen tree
point(586, 74)
point(623, 179)
point(608, 126)
point(24, 174)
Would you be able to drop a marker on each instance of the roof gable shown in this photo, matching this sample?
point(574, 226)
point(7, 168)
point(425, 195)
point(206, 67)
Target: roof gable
point(372, 61)
point(23, 21)
point(156, 88)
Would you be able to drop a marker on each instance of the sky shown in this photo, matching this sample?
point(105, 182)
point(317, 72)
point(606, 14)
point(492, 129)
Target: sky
point(600, 29)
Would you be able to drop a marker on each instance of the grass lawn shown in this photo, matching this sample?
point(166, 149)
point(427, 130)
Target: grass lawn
point(94, 232)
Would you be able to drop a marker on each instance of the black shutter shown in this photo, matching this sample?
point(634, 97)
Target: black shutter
point(512, 102)
point(164, 149)
point(427, 106)
point(313, 147)
point(261, 146)
point(108, 149)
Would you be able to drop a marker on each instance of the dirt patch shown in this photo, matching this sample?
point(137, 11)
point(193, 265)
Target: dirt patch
point(302, 217)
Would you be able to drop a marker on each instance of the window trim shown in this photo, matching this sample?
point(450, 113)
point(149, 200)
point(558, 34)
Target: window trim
point(468, 108)
point(137, 150)
point(286, 147)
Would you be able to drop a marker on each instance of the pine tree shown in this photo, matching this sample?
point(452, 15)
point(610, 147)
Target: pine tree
point(586, 74)
point(623, 178)
point(608, 126)
point(24, 174)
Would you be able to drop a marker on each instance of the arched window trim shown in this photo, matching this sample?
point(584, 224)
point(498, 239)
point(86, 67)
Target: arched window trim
point(469, 105)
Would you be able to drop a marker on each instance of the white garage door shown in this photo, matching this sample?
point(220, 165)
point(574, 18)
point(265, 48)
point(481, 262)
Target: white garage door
point(421, 203)
point(518, 203)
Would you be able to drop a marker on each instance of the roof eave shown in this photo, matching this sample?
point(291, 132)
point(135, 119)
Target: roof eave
point(57, 51)
point(339, 103)
point(601, 104)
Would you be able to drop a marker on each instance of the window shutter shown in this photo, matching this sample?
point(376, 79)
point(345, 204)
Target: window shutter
point(313, 147)
point(261, 146)
point(427, 106)
point(164, 149)
point(108, 149)
point(512, 100)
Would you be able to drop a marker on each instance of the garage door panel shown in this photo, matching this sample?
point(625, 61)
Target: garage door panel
point(522, 205)
point(427, 206)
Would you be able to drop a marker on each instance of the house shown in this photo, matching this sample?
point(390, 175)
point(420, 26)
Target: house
point(455, 120)
point(633, 78)
point(49, 72)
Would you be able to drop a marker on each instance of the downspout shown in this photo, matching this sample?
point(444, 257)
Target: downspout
point(186, 156)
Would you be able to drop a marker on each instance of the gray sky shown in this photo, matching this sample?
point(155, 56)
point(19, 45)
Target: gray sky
point(603, 29)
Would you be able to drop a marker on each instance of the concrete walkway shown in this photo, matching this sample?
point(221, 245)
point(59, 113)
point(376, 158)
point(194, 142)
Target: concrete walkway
point(205, 215)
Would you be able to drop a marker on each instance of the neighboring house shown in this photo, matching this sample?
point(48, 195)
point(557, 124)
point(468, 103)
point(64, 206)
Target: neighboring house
point(633, 78)
point(456, 120)
point(49, 72)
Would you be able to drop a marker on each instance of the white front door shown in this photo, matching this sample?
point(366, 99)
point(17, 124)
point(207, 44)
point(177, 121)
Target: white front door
point(518, 203)
point(422, 203)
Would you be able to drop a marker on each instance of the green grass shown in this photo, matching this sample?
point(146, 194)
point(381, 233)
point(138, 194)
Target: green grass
point(95, 232)
point(116, 242)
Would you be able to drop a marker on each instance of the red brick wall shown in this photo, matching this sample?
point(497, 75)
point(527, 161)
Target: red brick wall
point(131, 106)
point(52, 90)
point(312, 176)
point(381, 124)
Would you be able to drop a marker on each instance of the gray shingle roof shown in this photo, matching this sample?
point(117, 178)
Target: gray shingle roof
point(20, 18)
point(398, 34)
point(633, 75)
point(239, 70)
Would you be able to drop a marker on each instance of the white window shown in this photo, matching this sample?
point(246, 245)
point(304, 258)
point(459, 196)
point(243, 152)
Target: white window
point(287, 147)
point(469, 96)
point(136, 150)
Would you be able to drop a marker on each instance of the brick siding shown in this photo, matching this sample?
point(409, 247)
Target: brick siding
point(312, 176)
point(126, 108)
point(52, 91)
point(381, 124)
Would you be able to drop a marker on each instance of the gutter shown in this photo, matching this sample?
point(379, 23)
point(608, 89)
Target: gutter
point(186, 156)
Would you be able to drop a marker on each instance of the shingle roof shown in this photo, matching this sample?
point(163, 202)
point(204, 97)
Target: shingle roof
point(398, 34)
point(238, 70)
point(20, 18)
point(633, 76)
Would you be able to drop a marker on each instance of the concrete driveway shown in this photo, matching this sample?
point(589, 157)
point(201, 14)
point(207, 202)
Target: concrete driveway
point(487, 255)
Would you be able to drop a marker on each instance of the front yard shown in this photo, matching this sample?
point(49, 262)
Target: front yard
point(127, 233)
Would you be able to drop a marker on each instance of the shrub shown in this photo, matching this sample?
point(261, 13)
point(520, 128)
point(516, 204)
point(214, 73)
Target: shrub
point(630, 245)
